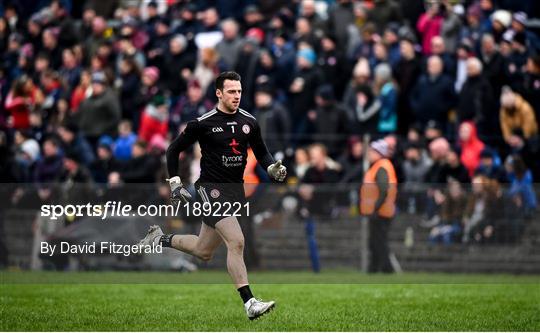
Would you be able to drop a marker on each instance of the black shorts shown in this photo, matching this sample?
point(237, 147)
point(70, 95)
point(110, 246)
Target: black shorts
point(220, 201)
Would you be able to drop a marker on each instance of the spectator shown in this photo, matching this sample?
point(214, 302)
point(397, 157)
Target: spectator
point(516, 115)
point(75, 145)
point(302, 89)
point(50, 165)
point(332, 64)
point(450, 230)
point(491, 166)
point(429, 25)
point(229, 46)
point(521, 190)
point(453, 169)
point(327, 120)
point(383, 13)
point(451, 26)
point(154, 119)
point(438, 48)
point(100, 113)
point(352, 161)
point(105, 163)
point(123, 145)
point(82, 91)
point(141, 167)
point(130, 76)
point(190, 106)
point(23, 97)
point(433, 95)
point(26, 154)
point(147, 91)
point(70, 72)
point(483, 212)
point(387, 95)
point(340, 17)
point(493, 64)
point(476, 99)
point(406, 73)
point(273, 120)
point(471, 146)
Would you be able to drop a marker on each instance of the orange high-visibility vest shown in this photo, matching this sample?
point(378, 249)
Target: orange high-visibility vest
point(250, 177)
point(369, 192)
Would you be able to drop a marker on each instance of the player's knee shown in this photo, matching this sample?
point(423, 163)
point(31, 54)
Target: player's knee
point(236, 245)
point(206, 255)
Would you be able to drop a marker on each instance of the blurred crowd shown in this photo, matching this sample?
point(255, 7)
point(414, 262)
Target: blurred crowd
point(93, 91)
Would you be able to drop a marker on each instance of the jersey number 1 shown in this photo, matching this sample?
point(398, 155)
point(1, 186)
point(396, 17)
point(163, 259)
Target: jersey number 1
point(232, 128)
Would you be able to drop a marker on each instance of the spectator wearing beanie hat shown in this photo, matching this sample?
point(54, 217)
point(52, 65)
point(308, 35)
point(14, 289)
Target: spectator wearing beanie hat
point(154, 119)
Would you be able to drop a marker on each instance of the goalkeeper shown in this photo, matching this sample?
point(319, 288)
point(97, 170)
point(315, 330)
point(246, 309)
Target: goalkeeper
point(224, 134)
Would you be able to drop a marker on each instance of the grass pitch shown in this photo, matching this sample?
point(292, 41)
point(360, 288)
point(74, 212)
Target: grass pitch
point(206, 301)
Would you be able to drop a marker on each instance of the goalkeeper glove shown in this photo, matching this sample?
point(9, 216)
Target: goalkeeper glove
point(277, 171)
point(178, 192)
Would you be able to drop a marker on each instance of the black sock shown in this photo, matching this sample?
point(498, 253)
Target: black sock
point(245, 293)
point(166, 240)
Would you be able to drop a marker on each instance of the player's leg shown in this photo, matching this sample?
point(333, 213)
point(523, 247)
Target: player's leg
point(229, 229)
point(202, 246)
point(231, 233)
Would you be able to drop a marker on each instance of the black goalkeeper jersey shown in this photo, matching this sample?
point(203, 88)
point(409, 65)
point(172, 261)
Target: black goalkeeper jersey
point(224, 139)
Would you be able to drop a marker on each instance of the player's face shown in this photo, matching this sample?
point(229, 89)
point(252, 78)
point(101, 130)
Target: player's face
point(230, 95)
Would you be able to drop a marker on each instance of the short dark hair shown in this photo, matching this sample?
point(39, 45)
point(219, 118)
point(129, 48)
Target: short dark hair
point(233, 76)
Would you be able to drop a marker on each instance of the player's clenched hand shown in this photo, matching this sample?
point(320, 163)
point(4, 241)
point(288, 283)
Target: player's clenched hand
point(178, 193)
point(277, 171)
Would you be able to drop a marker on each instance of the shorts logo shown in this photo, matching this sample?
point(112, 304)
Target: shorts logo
point(214, 193)
point(246, 129)
point(217, 129)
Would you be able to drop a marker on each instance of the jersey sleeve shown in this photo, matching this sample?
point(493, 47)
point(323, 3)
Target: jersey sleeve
point(259, 147)
point(189, 136)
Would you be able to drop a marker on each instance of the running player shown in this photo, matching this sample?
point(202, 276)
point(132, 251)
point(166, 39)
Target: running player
point(224, 135)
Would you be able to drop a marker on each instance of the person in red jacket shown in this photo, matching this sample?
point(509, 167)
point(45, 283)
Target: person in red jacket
point(154, 119)
point(23, 97)
point(471, 146)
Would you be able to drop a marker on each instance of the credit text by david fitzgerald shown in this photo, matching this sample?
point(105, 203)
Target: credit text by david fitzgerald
point(98, 248)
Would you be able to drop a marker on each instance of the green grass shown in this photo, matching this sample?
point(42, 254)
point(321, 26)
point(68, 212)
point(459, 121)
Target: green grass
point(205, 301)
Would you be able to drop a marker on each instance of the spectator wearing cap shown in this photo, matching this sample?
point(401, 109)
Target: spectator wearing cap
point(273, 118)
point(100, 113)
point(433, 95)
point(476, 101)
point(179, 63)
point(516, 114)
point(387, 96)
point(500, 21)
point(189, 107)
point(378, 202)
point(305, 81)
point(74, 144)
point(229, 47)
point(329, 119)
